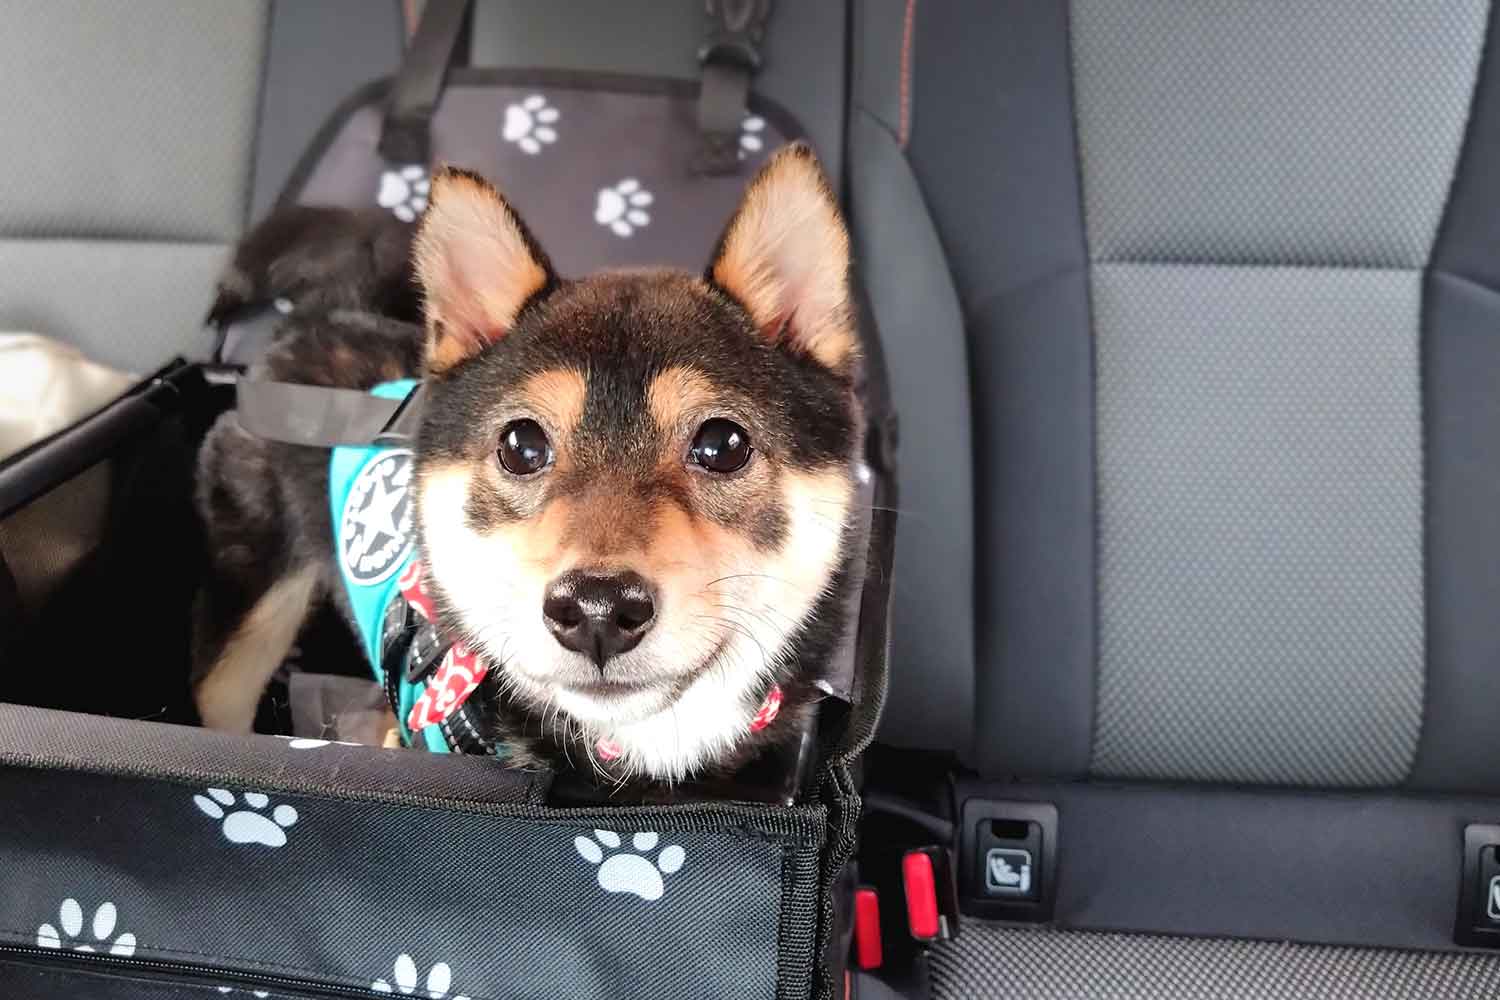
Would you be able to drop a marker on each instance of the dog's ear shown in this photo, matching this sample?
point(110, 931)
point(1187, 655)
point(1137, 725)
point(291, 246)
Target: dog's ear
point(785, 258)
point(478, 266)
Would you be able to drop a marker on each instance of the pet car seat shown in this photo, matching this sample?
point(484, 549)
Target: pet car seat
point(144, 859)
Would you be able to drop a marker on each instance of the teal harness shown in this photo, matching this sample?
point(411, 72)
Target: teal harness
point(373, 507)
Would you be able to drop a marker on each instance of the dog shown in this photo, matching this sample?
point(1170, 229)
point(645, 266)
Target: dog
point(633, 491)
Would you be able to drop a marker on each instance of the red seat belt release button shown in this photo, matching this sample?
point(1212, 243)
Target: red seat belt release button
point(867, 948)
point(919, 879)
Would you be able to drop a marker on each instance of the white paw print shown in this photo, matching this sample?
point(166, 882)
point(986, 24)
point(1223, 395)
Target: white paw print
point(247, 826)
point(70, 919)
point(630, 872)
point(404, 191)
point(751, 140)
point(439, 978)
point(529, 124)
point(306, 743)
point(623, 207)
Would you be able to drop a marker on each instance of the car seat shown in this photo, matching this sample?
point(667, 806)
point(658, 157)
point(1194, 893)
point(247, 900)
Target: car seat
point(1191, 314)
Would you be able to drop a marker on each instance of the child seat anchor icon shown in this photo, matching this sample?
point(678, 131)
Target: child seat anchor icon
point(1008, 871)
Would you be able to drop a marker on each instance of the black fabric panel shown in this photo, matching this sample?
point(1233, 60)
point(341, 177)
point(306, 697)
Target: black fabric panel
point(1354, 869)
point(1461, 388)
point(1034, 437)
point(1461, 374)
point(23, 981)
point(993, 148)
point(931, 695)
point(67, 742)
point(331, 892)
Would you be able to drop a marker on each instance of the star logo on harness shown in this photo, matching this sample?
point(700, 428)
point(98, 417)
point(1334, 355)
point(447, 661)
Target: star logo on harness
point(375, 531)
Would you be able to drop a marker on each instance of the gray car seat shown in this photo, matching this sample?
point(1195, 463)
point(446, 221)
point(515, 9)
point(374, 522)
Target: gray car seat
point(143, 137)
point(1201, 477)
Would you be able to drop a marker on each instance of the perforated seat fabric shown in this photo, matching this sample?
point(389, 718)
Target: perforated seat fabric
point(1008, 963)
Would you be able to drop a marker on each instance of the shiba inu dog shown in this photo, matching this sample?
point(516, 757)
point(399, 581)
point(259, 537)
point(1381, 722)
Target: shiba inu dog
point(631, 492)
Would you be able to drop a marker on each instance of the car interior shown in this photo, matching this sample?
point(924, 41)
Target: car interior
point(1191, 319)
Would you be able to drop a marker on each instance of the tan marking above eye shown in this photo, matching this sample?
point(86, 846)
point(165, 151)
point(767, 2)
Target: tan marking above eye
point(555, 399)
point(676, 392)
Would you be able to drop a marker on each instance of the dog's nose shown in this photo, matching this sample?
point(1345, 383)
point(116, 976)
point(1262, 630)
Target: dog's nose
point(599, 616)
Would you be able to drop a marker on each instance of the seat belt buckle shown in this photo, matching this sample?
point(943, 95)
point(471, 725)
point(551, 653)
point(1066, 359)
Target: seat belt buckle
point(927, 879)
point(869, 952)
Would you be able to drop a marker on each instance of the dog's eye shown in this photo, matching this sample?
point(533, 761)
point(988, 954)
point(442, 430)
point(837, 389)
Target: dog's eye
point(524, 448)
point(721, 446)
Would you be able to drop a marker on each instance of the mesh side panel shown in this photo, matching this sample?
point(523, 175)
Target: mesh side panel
point(1260, 524)
point(1003, 963)
point(1315, 132)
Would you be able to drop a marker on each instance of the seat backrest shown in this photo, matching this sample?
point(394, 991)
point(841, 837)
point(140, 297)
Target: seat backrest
point(143, 138)
point(130, 130)
point(1228, 299)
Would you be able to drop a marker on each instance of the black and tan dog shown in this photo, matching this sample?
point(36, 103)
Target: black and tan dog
point(633, 491)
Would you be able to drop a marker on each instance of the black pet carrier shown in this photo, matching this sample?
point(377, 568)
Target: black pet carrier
point(143, 857)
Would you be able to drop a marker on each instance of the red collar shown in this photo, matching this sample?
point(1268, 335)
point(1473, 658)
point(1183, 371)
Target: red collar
point(608, 750)
point(459, 673)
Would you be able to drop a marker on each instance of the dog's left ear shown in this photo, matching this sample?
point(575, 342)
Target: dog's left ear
point(478, 266)
point(785, 258)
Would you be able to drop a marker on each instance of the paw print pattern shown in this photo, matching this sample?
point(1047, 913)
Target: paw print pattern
point(630, 871)
point(247, 825)
point(622, 208)
point(529, 124)
point(64, 937)
point(306, 743)
point(751, 140)
point(404, 191)
point(439, 978)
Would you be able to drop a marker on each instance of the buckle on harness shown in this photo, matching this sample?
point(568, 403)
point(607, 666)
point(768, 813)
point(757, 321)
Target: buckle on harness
point(401, 428)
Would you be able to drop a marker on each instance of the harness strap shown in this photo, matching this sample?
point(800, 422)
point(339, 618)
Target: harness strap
point(730, 55)
point(322, 416)
point(406, 134)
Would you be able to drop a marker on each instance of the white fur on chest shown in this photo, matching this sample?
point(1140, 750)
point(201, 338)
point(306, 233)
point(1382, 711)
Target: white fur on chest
point(699, 728)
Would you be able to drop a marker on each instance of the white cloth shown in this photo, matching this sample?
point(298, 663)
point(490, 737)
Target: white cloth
point(46, 385)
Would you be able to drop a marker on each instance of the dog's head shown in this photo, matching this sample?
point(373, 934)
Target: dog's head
point(634, 488)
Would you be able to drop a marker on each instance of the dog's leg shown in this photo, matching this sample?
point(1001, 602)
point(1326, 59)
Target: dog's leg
point(259, 587)
point(229, 689)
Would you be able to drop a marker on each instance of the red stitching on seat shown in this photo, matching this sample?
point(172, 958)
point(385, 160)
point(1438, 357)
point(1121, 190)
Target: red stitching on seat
point(903, 128)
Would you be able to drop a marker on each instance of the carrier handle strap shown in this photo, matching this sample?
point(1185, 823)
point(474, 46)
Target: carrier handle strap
point(321, 416)
point(406, 134)
point(730, 55)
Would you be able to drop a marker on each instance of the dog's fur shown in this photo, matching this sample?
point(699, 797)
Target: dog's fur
point(621, 368)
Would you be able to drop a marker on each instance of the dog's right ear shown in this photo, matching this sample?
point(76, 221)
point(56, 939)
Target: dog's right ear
point(478, 266)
